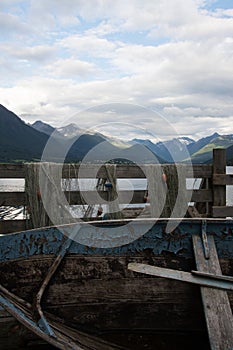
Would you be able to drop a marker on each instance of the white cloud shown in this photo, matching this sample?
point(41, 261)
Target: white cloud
point(58, 57)
point(39, 53)
point(90, 45)
point(72, 68)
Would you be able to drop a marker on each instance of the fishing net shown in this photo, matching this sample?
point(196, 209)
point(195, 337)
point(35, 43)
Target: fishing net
point(45, 178)
point(45, 194)
point(177, 196)
point(114, 211)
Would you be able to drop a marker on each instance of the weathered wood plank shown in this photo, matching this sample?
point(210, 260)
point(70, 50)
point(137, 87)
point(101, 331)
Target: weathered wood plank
point(12, 171)
point(12, 198)
point(222, 211)
point(202, 195)
point(199, 171)
point(9, 226)
point(100, 197)
point(223, 179)
point(219, 167)
point(131, 171)
point(123, 171)
point(90, 170)
point(216, 304)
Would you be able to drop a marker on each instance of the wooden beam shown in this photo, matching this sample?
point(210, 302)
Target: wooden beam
point(222, 212)
point(219, 167)
point(12, 171)
point(216, 304)
point(123, 171)
point(100, 197)
point(202, 195)
point(199, 171)
point(9, 226)
point(223, 179)
point(12, 198)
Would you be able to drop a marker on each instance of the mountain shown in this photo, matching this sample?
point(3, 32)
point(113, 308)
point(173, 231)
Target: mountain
point(22, 142)
point(70, 130)
point(43, 127)
point(19, 141)
point(132, 154)
point(205, 153)
point(82, 145)
point(169, 151)
point(229, 155)
point(196, 146)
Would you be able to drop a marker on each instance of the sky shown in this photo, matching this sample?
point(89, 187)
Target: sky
point(164, 66)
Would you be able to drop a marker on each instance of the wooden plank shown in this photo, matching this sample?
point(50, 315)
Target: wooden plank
point(123, 171)
point(130, 171)
point(100, 197)
point(222, 212)
point(75, 197)
point(223, 179)
point(12, 198)
point(9, 226)
point(12, 171)
point(202, 195)
point(199, 171)
point(216, 304)
point(207, 280)
point(219, 167)
point(88, 171)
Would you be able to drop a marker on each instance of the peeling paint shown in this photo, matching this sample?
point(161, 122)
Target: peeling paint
point(50, 240)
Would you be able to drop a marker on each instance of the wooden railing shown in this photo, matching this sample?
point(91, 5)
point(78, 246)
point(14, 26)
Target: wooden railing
point(209, 199)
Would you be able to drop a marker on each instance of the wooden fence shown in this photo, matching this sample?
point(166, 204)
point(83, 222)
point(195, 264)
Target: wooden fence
point(209, 199)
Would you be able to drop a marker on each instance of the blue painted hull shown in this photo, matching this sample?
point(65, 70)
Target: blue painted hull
point(49, 240)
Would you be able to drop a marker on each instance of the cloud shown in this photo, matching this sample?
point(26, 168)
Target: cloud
point(72, 68)
point(38, 53)
point(90, 45)
point(11, 25)
point(60, 57)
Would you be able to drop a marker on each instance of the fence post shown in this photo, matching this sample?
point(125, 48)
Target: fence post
point(219, 167)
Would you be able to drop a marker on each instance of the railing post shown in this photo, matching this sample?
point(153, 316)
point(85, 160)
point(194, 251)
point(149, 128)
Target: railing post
point(219, 167)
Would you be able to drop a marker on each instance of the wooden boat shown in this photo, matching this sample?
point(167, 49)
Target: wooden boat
point(160, 291)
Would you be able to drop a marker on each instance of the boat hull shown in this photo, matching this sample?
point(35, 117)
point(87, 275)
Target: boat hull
point(94, 292)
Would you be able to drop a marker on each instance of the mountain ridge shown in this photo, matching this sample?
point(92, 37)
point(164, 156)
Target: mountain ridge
point(25, 142)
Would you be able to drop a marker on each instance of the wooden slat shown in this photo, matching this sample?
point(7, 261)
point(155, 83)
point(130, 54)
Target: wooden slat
point(222, 211)
point(123, 171)
point(12, 171)
point(12, 198)
point(89, 170)
point(216, 304)
point(219, 167)
point(75, 197)
point(199, 171)
point(9, 226)
point(223, 179)
point(101, 197)
point(202, 196)
point(131, 171)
